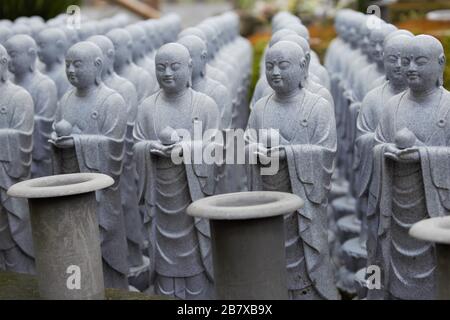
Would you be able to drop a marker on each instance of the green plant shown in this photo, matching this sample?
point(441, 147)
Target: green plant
point(12, 9)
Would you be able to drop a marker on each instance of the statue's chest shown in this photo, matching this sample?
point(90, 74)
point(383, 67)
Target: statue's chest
point(419, 119)
point(176, 117)
point(84, 115)
point(6, 110)
point(284, 118)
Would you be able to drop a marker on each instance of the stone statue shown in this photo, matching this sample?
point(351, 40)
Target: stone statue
point(305, 126)
point(53, 44)
point(138, 36)
point(202, 83)
point(410, 175)
point(128, 184)
point(124, 65)
point(182, 255)
point(23, 52)
point(367, 121)
point(89, 132)
point(5, 33)
point(16, 141)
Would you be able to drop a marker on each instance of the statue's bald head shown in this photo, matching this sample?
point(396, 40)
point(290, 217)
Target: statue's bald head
point(123, 45)
point(52, 43)
point(277, 36)
point(286, 66)
point(424, 62)
point(173, 67)
point(108, 52)
point(84, 64)
point(192, 31)
point(198, 52)
point(23, 53)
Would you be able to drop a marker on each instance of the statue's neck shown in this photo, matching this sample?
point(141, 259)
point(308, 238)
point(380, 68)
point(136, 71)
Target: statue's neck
point(287, 96)
point(198, 81)
point(24, 77)
point(53, 65)
point(424, 94)
point(397, 87)
point(85, 92)
point(172, 96)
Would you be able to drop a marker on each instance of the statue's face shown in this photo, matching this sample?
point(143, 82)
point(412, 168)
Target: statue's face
point(123, 51)
point(172, 71)
point(365, 40)
point(376, 46)
point(21, 58)
point(421, 66)
point(393, 52)
point(81, 69)
point(47, 48)
point(283, 70)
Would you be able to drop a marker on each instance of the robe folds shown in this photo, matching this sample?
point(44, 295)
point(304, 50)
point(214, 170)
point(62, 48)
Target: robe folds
point(16, 141)
point(429, 195)
point(310, 152)
point(182, 243)
point(98, 133)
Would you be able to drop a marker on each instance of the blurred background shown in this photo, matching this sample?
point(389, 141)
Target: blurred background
point(418, 16)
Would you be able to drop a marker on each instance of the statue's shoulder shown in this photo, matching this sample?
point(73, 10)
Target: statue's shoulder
point(216, 88)
point(18, 96)
point(107, 96)
point(260, 105)
point(374, 95)
point(44, 82)
point(147, 106)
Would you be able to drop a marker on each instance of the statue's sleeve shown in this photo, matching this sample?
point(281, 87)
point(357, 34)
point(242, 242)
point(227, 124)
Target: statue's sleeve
point(142, 155)
point(104, 152)
point(225, 107)
point(364, 143)
point(314, 162)
point(17, 141)
point(435, 163)
point(254, 182)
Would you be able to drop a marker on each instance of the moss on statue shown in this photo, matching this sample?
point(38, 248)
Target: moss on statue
point(18, 286)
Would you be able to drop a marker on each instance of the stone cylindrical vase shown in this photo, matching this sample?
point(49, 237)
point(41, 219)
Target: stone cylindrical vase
point(66, 236)
point(247, 235)
point(437, 230)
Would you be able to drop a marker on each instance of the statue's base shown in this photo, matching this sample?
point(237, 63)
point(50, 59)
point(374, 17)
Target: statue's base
point(354, 255)
point(139, 277)
point(343, 206)
point(339, 188)
point(345, 282)
point(20, 286)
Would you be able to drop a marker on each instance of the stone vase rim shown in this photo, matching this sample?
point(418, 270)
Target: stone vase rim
point(245, 205)
point(60, 185)
point(433, 230)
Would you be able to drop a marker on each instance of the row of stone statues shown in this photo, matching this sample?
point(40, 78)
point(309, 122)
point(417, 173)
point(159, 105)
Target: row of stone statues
point(392, 118)
point(76, 112)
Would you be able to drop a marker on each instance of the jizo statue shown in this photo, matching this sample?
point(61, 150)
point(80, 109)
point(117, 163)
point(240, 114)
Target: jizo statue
point(304, 125)
point(182, 244)
point(16, 141)
point(410, 176)
point(133, 220)
point(89, 133)
point(23, 52)
point(53, 44)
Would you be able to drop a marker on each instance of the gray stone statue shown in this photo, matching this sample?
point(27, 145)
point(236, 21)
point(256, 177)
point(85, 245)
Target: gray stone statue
point(128, 184)
point(367, 121)
point(23, 52)
point(182, 251)
point(89, 131)
point(202, 83)
point(410, 175)
point(124, 65)
point(53, 44)
point(305, 126)
point(16, 141)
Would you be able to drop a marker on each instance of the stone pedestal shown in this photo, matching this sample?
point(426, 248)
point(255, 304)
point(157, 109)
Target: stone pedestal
point(139, 277)
point(247, 235)
point(437, 230)
point(66, 235)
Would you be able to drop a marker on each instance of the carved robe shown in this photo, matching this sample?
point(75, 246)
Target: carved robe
point(404, 193)
point(99, 127)
point(183, 264)
point(44, 93)
point(309, 137)
point(16, 141)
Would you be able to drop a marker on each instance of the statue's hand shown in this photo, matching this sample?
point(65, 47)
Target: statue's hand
point(156, 148)
point(409, 155)
point(64, 142)
point(278, 152)
point(391, 152)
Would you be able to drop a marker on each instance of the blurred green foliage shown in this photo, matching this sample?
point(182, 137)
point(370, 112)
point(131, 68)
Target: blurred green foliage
point(12, 9)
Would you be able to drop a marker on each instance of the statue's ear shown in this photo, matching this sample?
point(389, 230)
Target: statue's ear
point(4, 75)
point(304, 63)
point(308, 57)
point(204, 55)
point(442, 59)
point(98, 64)
point(32, 52)
point(110, 53)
